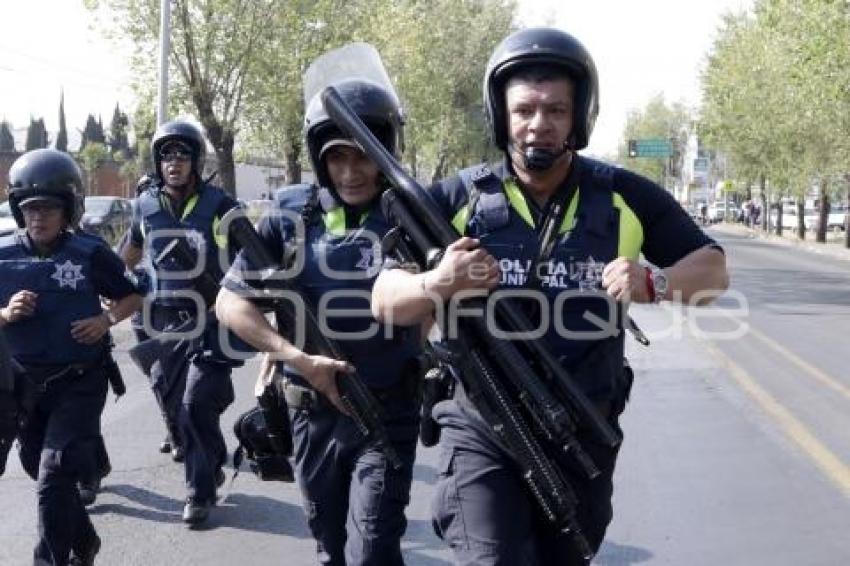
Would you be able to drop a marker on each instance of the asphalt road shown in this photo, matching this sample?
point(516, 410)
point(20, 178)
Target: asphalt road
point(736, 453)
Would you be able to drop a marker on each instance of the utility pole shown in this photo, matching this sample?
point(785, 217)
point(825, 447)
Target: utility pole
point(164, 50)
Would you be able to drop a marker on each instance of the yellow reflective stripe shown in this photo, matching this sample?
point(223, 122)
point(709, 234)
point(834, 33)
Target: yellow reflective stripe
point(190, 206)
point(335, 221)
point(631, 230)
point(460, 219)
point(220, 239)
point(517, 200)
point(570, 216)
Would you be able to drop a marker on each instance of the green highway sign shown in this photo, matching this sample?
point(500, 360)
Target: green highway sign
point(650, 147)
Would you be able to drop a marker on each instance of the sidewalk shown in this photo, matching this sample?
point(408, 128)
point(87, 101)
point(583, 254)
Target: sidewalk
point(833, 247)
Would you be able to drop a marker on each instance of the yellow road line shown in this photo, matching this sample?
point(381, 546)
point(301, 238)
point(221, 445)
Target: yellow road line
point(816, 373)
point(830, 464)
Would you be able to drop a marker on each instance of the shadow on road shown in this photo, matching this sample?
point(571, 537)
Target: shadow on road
point(260, 514)
point(613, 554)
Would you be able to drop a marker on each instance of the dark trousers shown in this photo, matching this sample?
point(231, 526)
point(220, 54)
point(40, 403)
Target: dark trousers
point(483, 510)
point(354, 499)
point(194, 389)
point(208, 393)
point(58, 446)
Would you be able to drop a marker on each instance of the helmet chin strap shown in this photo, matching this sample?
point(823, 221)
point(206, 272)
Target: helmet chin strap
point(539, 159)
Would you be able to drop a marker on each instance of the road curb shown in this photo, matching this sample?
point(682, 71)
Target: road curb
point(831, 249)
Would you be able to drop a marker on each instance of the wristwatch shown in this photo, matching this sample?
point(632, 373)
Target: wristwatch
point(660, 283)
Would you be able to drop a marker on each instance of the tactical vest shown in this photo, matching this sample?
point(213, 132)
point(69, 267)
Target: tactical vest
point(570, 279)
point(63, 284)
point(197, 224)
point(339, 269)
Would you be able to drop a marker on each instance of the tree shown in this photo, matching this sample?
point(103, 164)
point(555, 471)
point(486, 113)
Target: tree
point(214, 46)
point(118, 143)
point(7, 140)
point(435, 53)
point(239, 66)
point(91, 156)
point(658, 120)
point(36, 135)
point(62, 136)
point(92, 132)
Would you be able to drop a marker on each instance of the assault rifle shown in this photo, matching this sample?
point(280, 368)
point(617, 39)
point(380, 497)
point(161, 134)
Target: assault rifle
point(359, 401)
point(540, 430)
point(144, 354)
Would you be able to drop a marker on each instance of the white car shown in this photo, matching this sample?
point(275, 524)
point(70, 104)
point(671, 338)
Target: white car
point(720, 211)
point(834, 221)
point(7, 221)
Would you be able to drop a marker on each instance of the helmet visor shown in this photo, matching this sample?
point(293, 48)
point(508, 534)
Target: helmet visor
point(352, 61)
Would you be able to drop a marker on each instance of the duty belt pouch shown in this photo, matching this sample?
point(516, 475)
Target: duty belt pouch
point(300, 397)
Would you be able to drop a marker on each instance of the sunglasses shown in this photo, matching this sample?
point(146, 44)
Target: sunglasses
point(175, 155)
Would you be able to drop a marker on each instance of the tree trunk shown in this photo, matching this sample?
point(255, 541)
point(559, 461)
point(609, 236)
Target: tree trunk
point(227, 171)
point(765, 211)
point(414, 164)
point(292, 171)
point(439, 170)
point(823, 213)
point(847, 223)
point(801, 225)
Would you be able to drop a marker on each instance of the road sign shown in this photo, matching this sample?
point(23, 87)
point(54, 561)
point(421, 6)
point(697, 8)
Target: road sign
point(650, 147)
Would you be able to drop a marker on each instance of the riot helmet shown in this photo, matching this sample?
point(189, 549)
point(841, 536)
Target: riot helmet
point(378, 108)
point(46, 174)
point(181, 131)
point(545, 47)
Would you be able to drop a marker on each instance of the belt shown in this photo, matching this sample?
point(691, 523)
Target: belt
point(300, 395)
point(42, 376)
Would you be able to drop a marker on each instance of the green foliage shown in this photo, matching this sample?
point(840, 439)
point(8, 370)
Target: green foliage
point(36, 135)
point(775, 93)
point(92, 133)
point(7, 140)
point(658, 120)
point(62, 136)
point(118, 134)
point(91, 156)
point(239, 66)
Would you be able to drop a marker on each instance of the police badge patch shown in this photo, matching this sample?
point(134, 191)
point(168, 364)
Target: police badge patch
point(68, 274)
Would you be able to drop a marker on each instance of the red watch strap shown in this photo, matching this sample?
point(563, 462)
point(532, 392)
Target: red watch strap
point(650, 285)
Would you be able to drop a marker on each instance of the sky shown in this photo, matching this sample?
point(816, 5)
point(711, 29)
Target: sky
point(640, 49)
point(47, 45)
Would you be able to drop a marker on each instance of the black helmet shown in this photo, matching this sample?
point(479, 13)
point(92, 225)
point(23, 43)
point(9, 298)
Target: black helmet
point(379, 109)
point(46, 173)
point(183, 131)
point(542, 46)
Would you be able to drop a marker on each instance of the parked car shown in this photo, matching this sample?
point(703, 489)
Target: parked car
point(834, 221)
point(7, 221)
point(108, 217)
point(719, 211)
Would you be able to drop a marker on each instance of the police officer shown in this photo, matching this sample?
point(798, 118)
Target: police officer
point(51, 281)
point(541, 99)
point(354, 499)
point(142, 276)
point(193, 379)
